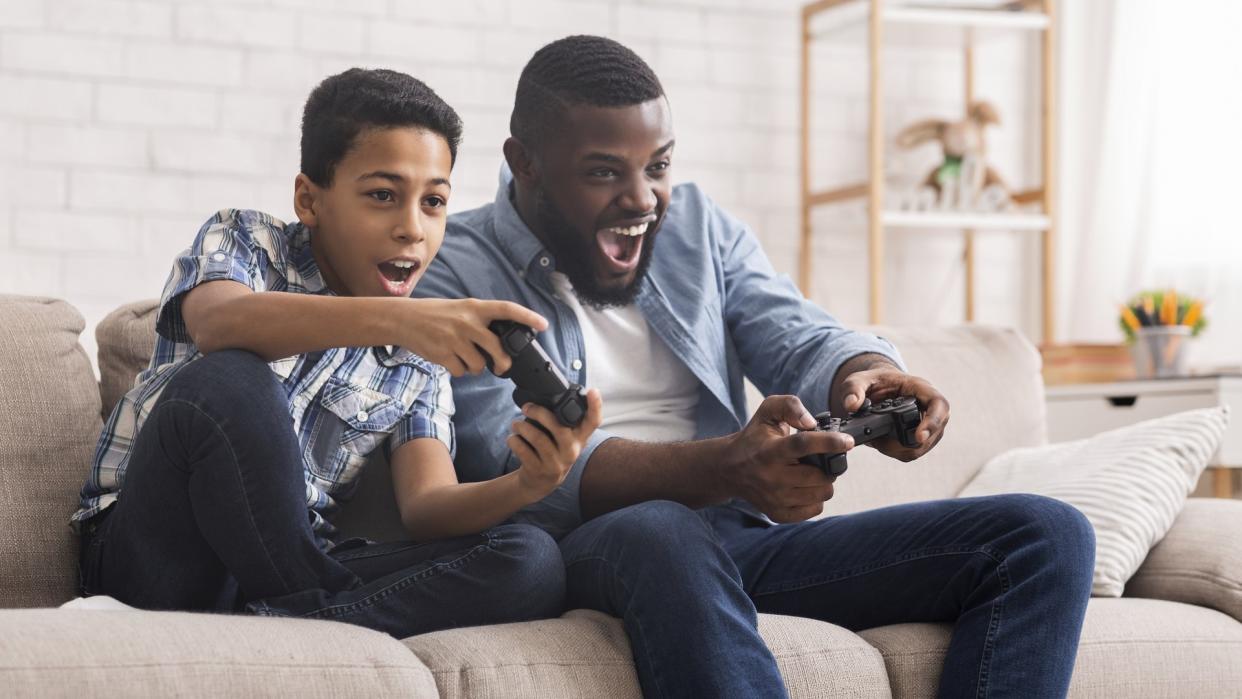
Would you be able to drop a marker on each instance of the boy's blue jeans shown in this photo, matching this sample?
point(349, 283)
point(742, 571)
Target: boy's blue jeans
point(1012, 572)
point(213, 516)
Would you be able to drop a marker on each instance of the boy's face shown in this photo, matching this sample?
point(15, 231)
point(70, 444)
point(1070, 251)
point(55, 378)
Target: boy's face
point(601, 191)
point(380, 222)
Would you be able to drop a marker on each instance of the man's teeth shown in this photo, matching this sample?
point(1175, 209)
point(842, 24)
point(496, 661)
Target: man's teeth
point(631, 231)
point(403, 264)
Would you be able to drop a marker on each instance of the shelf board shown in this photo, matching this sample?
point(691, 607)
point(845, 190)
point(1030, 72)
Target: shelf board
point(909, 23)
point(966, 220)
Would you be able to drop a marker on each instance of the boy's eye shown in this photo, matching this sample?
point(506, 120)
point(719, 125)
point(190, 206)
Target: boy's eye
point(384, 195)
point(435, 201)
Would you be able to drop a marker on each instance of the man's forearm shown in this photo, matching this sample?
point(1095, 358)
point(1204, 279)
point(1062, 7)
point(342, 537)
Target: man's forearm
point(862, 362)
point(622, 472)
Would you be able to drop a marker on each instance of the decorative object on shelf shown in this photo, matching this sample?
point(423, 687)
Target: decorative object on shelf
point(1086, 363)
point(964, 181)
point(1157, 325)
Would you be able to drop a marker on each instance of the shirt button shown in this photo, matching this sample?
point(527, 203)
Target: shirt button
point(577, 364)
point(362, 416)
point(544, 262)
point(218, 256)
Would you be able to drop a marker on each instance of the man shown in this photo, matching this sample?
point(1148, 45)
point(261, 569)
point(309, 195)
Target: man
point(669, 518)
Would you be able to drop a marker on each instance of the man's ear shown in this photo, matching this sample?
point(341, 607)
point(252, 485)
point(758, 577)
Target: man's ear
point(521, 161)
point(306, 200)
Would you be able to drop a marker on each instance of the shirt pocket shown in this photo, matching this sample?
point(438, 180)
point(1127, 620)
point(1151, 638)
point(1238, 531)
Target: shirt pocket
point(366, 416)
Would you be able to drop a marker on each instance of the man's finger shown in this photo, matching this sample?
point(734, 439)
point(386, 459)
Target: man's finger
point(785, 409)
point(800, 444)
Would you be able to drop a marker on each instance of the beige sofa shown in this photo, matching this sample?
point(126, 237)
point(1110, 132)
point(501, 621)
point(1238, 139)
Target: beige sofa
point(1182, 639)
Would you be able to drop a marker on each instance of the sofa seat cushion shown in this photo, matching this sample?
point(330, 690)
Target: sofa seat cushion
point(49, 425)
point(1129, 648)
point(586, 653)
point(73, 653)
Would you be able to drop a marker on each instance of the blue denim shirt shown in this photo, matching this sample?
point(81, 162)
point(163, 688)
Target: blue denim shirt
point(711, 294)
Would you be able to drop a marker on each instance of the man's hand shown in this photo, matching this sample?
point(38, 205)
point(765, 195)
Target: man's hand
point(547, 456)
point(882, 381)
point(766, 471)
point(454, 334)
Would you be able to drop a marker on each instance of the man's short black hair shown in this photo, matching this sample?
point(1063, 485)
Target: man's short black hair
point(347, 104)
point(578, 70)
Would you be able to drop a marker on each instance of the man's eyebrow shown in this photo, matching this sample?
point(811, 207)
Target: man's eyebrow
point(400, 179)
point(610, 158)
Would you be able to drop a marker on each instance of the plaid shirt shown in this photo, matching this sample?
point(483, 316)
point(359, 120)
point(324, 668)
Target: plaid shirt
point(343, 402)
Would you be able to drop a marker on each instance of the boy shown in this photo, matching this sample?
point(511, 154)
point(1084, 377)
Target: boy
point(286, 355)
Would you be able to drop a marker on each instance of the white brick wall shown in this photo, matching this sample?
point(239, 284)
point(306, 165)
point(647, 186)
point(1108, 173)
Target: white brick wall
point(125, 123)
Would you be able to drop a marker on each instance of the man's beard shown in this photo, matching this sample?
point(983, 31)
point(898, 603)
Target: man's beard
point(575, 255)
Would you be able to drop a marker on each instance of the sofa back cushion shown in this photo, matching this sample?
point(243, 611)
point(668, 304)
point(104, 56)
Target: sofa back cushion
point(991, 378)
point(49, 424)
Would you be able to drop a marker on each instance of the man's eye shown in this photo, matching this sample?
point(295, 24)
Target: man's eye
point(659, 167)
point(602, 172)
point(382, 195)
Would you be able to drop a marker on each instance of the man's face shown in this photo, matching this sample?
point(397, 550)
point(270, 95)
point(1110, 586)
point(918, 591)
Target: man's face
point(603, 187)
point(380, 222)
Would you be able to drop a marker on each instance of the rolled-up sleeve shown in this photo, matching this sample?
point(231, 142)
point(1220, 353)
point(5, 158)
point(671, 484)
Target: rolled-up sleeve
point(560, 512)
point(787, 344)
point(227, 247)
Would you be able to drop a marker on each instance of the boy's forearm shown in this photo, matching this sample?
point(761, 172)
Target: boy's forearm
point(275, 324)
point(622, 472)
point(465, 508)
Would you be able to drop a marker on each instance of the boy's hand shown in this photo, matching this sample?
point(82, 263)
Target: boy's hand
point(454, 334)
point(546, 456)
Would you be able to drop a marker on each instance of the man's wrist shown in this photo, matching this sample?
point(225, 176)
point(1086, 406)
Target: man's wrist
point(853, 365)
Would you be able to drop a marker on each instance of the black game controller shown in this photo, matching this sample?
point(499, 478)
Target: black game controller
point(535, 377)
point(899, 417)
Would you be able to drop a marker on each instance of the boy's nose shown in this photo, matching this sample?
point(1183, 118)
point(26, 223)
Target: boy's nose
point(410, 229)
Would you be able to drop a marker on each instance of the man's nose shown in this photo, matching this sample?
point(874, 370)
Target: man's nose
point(638, 197)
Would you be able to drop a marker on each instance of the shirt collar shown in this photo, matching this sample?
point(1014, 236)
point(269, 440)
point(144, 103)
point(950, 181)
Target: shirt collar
point(302, 259)
point(512, 234)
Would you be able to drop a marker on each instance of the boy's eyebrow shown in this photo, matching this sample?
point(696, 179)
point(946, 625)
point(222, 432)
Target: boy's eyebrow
point(610, 158)
point(400, 179)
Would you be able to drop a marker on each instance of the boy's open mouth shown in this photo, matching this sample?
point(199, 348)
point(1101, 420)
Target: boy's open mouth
point(397, 275)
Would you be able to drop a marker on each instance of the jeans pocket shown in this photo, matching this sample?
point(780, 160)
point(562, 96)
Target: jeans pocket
point(90, 558)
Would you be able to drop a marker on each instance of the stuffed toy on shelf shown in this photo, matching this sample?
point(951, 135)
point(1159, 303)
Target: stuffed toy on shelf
point(963, 180)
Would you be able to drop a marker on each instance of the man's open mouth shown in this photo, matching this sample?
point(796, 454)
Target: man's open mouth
point(622, 245)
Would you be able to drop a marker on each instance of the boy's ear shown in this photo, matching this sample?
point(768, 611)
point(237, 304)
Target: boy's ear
point(305, 200)
point(521, 161)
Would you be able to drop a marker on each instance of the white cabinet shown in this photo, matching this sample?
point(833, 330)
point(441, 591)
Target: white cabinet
point(1081, 410)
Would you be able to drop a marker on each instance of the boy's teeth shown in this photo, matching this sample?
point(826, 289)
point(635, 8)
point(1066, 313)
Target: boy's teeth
point(403, 264)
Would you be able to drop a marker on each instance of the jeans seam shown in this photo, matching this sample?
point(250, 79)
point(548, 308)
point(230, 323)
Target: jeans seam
point(362, 552)
point(245, 491)
point(789, 586)
point(336, 611)
point(994, 622)
point(629, 595)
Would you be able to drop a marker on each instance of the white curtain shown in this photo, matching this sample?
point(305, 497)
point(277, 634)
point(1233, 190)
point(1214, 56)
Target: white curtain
point(1151, 164)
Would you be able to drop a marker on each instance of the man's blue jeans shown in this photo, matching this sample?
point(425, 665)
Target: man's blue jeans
point(213, 516)
point(1012, 572)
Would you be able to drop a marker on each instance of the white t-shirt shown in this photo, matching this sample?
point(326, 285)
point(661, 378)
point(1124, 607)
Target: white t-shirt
point(649, 394)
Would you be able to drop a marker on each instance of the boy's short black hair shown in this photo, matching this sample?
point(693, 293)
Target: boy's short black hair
point(580, 69)
point(346, 104)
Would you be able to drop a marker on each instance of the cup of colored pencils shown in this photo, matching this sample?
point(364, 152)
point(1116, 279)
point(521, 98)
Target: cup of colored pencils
point(1158, 325)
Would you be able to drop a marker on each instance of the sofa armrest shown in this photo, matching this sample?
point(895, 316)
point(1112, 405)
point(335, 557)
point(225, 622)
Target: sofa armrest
point(1199, 561)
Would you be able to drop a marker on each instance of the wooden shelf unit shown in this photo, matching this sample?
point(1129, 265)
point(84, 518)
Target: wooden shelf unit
point(907, 22)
